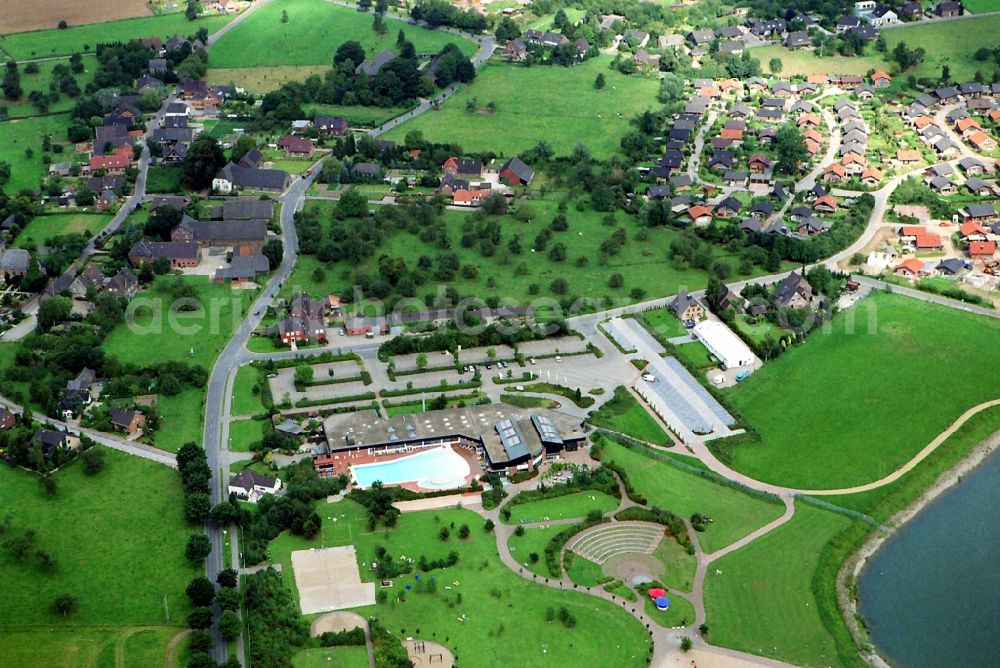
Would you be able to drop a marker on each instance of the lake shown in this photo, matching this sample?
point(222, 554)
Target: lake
point(931, 593)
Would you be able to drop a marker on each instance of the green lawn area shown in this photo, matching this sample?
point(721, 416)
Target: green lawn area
point(20, 134)
point(244, 432)
point(678, 565)
point(245, 400)
point(697, 354)
point(198, 336)
point(121, 553)
point(555, 104)
point(880, 403)
point(981, 6)
point(577, 504)
point(796, 61)
point(758, 331)
point(313, 33)
point(585, 572)
point(533, 540)
point(333, 657)
point(763, 601)
point(43, 43)
point(734, 513)
point(43, 228)
point(624, 413)
point(485, 585)
point(642, 264)
point(181, 419)
point(71, 647)
point(664, 322)
point(164, 179)
point(40, 82)
point(680, 612)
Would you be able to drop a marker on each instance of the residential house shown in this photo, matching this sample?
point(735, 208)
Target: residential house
point(252, 486)
point(7, 419)
point(882, 16)
point(123, 284)
point(793, 291)
point(220, 233)
point(515, 173)
point(646, 60)
point(293, 145)
point(881, 80)
point(306, 321)
point(14, 262)
point(331, 126)
point(949, 9)
point(983, 142)
point(928, 242)
point(233, 177)
point(366, 326)
point(515, 50)
point(127, 420)
point(686, 308)
point(982, 250)
point(50, 440)
point(977, 186)
point(759, 162)
point(979, 213)
point(911, 269)
point(952, 266)
point(243, 268)
point(798, 40)
point(180, 254)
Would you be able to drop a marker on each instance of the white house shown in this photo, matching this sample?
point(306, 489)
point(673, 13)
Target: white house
point(252, 486)
point(882, 16)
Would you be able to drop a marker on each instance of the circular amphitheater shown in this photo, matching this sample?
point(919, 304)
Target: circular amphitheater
point(623, 549)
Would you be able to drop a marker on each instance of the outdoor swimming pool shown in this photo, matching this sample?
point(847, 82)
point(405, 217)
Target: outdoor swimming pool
point(437, 468)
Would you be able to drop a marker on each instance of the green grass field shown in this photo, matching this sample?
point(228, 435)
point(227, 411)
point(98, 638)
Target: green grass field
point(73, 647)
point(44, 43)
point(876, 399)
point(26, 133)
point(43, 228)
point(665, 323)
point(263, 79)
point(981, 6)
point(314, 31)
point(696, 354)
point(199, 335)
point(624, 413)
point(642, 264)
point(554, 104)
point(333, 657)
point(763, 603)
point(533, 540)
point(181, 419)
point(585, 572)
point(120, 555)
point(40, 82)
point(678, 565)
point(734, 513)
point(680, 612)
point(577, 504)
point(355, 114)
point(515, 638)
point(244, 432)
point(795, 61)
point(245, 400)
point(164, 179)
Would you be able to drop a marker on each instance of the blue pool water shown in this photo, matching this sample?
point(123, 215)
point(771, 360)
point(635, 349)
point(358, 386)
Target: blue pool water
point(438, 468)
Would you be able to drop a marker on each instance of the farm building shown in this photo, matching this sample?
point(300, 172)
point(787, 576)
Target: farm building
point(726, 346)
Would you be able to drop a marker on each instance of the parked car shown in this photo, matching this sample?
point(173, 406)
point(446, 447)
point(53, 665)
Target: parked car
point(649, 378)
point(689, 324)
point(532, 361)
point(718, 380)
point(742, 375)
point(558, 358)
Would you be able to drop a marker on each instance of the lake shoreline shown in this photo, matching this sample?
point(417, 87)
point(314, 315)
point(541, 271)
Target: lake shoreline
point(851, 569)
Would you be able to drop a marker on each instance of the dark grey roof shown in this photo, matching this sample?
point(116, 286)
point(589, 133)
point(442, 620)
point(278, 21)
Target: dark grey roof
point(523, 172)
point(371, 67)
point(256, 179)
point(981, 210)
point(15, 259)
point(244, 267)
point(244, 208)
point(209, 231)
point(248, 479)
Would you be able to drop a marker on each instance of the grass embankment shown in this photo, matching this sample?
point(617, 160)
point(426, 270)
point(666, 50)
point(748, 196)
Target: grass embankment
point(577, 504)
point(624, 413)
point(734, 513)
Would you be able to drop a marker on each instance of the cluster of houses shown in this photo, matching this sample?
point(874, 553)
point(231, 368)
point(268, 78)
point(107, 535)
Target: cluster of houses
point(517, 50)
point(864, 21)
point(238, 225)
point(852, 162)
point(83, 390)
point(469, 182)
point(972, 247)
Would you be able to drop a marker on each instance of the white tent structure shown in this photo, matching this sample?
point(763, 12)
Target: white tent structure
point(726, 346)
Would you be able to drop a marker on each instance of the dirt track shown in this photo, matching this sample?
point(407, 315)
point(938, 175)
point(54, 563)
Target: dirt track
point(22, 15)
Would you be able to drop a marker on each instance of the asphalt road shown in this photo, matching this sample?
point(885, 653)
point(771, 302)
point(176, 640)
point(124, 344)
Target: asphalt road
point(216, 428)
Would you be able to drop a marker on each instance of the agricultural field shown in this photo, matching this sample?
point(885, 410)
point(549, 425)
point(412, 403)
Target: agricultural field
point(132, 504)
point(45, 43)
point(951, 42)
point(734, 513)
point(642, 264)
point(485, 586)
point(22, 15)
point(624, 413)
point(528, 112)
point(199, 336)
point(878, 359)
point(43, 228)
point(19, 135)
point(763, 601)
point(577, 504)
point(312, 34)
point(40, 82)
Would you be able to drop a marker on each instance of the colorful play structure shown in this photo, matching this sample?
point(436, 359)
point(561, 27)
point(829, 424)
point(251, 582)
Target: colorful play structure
point(659, 597)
